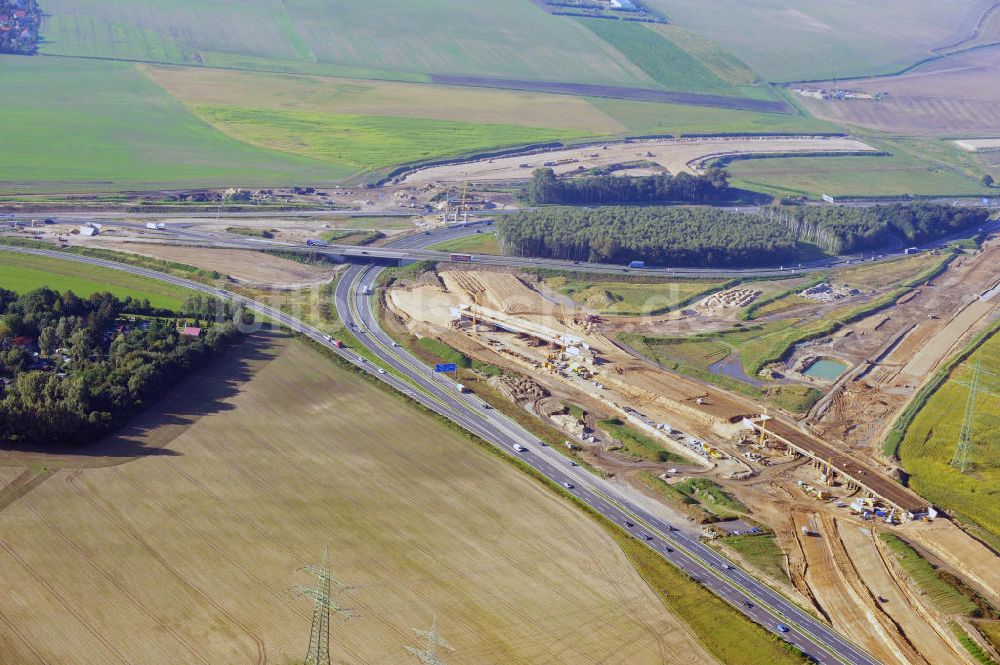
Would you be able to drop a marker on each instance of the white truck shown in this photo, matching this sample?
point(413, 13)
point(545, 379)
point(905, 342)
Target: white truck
point(519, 448)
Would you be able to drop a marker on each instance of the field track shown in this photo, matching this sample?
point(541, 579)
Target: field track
point(618, 92)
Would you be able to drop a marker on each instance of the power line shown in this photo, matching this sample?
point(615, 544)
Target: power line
point(428, 655)
point(319, 635)
point(960, 459)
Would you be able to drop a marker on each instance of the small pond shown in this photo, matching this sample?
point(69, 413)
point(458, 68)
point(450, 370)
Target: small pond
point(730, 366)
point(826, 368)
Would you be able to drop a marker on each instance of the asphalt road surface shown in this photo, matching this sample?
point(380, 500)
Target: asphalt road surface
point(721, 576)
point(413, 248)
point(718, 574)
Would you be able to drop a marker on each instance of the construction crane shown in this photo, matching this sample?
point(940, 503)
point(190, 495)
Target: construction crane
point(319, 636)
point(428, 655)
point(762, 438)
point(828, 471)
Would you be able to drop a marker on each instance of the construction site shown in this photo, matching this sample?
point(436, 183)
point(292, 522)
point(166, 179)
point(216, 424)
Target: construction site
point(729, 467)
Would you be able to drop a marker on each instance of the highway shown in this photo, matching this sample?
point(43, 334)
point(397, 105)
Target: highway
point(744, 592)
point(721, 576)
point(414, 248)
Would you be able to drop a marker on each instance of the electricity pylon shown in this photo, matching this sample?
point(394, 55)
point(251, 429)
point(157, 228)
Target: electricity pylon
point(428, 655)
point(319, 636)
point(960, 459)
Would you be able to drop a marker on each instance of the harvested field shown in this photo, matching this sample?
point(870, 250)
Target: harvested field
point(618, 92)
point(255, 268)
point(675, 155)
point(249, 473)
point(953, 95)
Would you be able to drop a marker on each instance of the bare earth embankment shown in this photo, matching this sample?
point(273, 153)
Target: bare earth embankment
point(675, 155)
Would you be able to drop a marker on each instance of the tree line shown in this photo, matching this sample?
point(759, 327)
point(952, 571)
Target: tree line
point(19, 23)
point(702, 236)
point(658, 235)
point(710, 187)
point(842, 230)
point(93, 369)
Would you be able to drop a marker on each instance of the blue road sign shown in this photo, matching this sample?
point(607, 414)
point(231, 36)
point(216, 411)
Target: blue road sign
point(446, 367)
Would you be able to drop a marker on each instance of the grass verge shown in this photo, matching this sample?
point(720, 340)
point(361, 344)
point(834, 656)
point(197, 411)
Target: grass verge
point(970, 645)
point(942, 594)
point(762, 552)
point(637, 444)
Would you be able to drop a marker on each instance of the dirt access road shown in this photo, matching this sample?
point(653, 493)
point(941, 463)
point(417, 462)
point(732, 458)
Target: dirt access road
point(674, 155)
point(638, 383)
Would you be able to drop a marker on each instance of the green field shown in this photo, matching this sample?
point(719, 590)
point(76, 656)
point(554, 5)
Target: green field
point(91, 125)
point(350, 236)
point(633, 298)
point(664, 61)
point(637, 444)
point(790, 40)
point(242, 89)
point(390, 36)
point(721, 63)
point(990, 630)
point(22, 273)
point(365, 142)
point(942, 595)
point(929, 444)
point(479, 243)
point(893, 175)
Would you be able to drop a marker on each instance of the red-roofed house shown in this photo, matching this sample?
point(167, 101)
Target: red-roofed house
point(191, 331)
point(19, 13)
point(22, 342)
